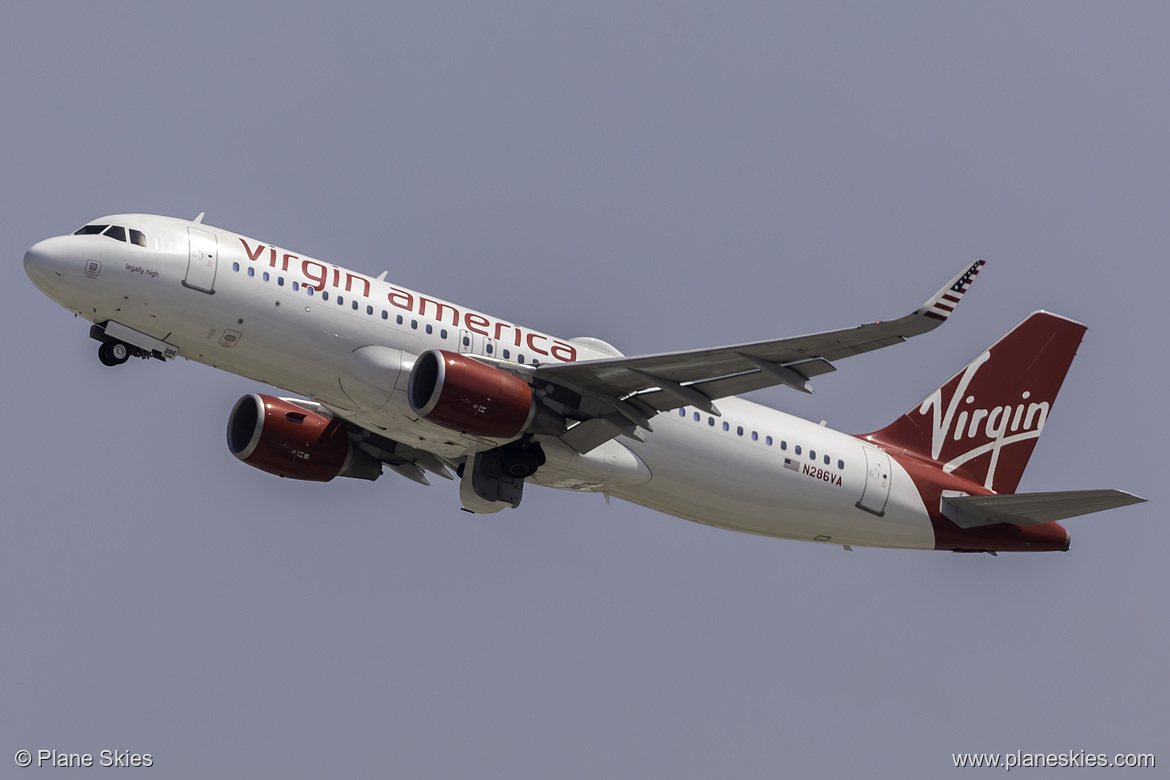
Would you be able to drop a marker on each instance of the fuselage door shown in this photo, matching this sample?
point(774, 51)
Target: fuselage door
point(877, 482)
point(476, 344)
point(202, 260)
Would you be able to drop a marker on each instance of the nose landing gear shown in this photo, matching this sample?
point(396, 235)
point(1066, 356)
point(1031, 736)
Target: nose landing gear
point(113, 350)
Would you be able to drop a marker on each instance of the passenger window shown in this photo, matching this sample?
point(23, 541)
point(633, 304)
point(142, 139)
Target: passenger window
point(324, 293)
point(354, 306)
point(827, 460)
point(755, 436)
point(385, 314)
point(711, 421)
point(797, 449)
point(280, 281)
point(783, 444)
point(369, 309)
point(489, 347)
point(235, 266)
point(507, 354)
point(267, 277)
point(696, 417)
point(116, 232)
point(466, 341)
point(768, 440)
point(520, 358)
point(841, 464)
point(252, 272)
point(726, 426)
point(340, 300)
point(398, 319)
point(90, 230)
point(414, 324)
point(812, 454)
point(310, 290)
point(443, 335)
point(682, 412)
point(296, 287)
point(137, 237)
point(739, 430)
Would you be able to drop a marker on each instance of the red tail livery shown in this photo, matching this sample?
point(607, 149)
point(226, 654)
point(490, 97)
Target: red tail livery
point(967, 444)
point(984, 422)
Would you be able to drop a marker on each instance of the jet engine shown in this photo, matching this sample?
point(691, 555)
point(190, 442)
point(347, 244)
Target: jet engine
point(463, 394)
point(282, 438)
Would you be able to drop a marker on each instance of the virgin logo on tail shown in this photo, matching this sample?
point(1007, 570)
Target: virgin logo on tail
point(963, 421)
point(1000, 399)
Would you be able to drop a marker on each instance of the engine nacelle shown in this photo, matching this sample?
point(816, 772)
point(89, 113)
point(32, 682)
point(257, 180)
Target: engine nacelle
point(284, 439)
point(461, 393)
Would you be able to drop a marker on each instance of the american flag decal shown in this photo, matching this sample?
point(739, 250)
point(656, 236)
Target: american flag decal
point(789, 463)
point(941, 308)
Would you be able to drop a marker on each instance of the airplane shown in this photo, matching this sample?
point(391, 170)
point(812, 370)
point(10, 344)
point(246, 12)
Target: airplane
point(390, 378)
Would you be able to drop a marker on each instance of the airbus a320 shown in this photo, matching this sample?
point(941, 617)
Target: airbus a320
point(390, 378)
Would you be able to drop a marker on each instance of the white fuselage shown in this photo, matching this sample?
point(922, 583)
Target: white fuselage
point(294, 322)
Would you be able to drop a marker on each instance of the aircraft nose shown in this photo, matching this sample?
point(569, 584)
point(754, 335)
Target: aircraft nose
point(45, 263)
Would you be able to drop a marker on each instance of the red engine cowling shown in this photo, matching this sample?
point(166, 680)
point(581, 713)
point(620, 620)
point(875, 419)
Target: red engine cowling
point(283, 439)
point(458, 392)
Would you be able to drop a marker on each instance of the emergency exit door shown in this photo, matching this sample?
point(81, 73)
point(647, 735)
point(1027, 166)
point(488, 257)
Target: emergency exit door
point(476, 344)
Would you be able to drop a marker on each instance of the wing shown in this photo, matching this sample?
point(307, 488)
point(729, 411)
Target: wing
point(617, 396)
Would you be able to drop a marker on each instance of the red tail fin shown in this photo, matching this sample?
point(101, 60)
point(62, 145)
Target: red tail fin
point(983, 423)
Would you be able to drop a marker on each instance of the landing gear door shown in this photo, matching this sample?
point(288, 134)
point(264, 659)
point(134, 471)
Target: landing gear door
point(877, 482)
point(202, 260)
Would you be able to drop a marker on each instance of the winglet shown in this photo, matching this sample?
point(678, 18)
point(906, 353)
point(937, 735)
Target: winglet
point(943, 302)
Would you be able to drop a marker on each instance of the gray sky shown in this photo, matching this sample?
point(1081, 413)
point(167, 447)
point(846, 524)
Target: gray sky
point(659, 175)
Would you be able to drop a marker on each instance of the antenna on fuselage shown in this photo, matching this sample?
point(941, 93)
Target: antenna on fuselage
point(382, 276)
point(199, 219)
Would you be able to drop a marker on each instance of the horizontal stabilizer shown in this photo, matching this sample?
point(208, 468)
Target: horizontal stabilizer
point(1026, 509)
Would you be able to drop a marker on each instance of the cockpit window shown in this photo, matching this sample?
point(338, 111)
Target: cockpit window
point(116, 232)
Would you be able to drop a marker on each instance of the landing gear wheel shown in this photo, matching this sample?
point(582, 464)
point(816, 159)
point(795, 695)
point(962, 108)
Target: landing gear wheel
point(113, 353)
point(521, 459)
